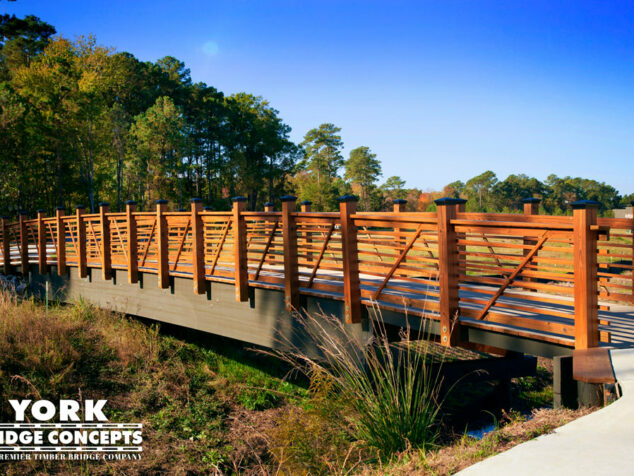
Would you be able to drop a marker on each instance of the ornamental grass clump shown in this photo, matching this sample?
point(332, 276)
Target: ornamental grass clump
point(391, 388)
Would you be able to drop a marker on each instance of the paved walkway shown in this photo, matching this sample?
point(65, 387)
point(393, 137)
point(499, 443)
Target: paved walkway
point(601, 443)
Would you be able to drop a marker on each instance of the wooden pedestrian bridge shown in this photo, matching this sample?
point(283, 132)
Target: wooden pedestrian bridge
point(543, 285)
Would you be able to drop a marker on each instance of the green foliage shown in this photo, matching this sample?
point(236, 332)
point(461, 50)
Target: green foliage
point(363, 170)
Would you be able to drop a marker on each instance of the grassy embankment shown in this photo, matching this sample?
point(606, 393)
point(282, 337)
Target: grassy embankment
point(211, 405)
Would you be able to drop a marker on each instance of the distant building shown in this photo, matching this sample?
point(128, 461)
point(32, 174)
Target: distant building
point(623, 212)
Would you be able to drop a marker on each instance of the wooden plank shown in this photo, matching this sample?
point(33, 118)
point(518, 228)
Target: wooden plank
point(592, 365)
point(162, 233)
point(106, 248)
point(133, 247)
point(266, 248)
point(350, 258)
point(82, 258)
point(291, 265)
point(448, 272)
point(585, 265)
point(41, 242)
point(306, 207)
point(198, 247)
point(241, 277)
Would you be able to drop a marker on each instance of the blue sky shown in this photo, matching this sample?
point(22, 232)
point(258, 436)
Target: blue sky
point(438, 90)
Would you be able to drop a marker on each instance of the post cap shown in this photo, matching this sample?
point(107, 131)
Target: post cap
point(41, 210)
point(632, 203)
point(60, 208)
point(181, 210)
point(130, 202)
point(239, 199)
point(580, 204)
point(269, 204)
point(104, 204)
point(399, 201)
point(348, 198)
point(208, 209)
point(196, 200)
point(80, 207)
point(306, 202)
point(450, 201)
point(161, 201)
point(531, 200)
point(4, 217)
point(288, 198)
point(22, 212)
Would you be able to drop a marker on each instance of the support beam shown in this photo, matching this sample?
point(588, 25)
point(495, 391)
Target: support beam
point(198, 247)
point(106, 250)
point(132, 242)
point(350, 255)
point(585, 272)
point(82, 266)
point(41, 242)
point(531, 208)
point(60, 241)
point(291, 265)
point(162, 235)
point(448, 270)
point(6, 245)
point(24, 244)
point(241, 275)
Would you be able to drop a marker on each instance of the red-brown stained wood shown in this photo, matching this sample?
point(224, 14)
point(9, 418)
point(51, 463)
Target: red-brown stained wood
point(448, 275)
point(41, 243)
point(6, 246)
point(24, 245)
point(307, 207)
point(82, 266)
point(60, 242)
point(241, 275)
point(198, 248)
point(162, 245)
point(132, 243)
point(531, 208)
point(349, 251)
point(291, 265)
point(592, 365)
point(585, 286)
point(106, 249)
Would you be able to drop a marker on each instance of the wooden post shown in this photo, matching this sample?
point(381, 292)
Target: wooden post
point(198, 247)
point(162, 234)
point(60, 241)
point(82, 267)
point(106, 251)
point(41, 242)
point(291, 264)
point(448, 271)
point(350, 255)
point(133, 250)
point(241, 270)
point(399, 207)
point(24, 244)
point(306, 207)
point(585, 272)
point(269, 207)
point(6, 246)
point(531, 208)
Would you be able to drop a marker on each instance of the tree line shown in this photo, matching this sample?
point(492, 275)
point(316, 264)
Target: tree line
point(83, 123)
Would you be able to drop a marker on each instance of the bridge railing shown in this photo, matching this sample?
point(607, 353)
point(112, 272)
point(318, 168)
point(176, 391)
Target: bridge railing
point(530, 275)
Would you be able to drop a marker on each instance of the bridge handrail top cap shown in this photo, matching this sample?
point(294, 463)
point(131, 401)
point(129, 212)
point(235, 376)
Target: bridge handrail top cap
point(196, 200)
point(531, 200)
point(450, 201)
point(104, 204)
point(579, 204)
point(399, 201)
point(348, 198)
point(288, 198)
point(306, 202)
point(239, 199)
point(80, 207)
point(130, 202)
point(41, 210)
point(161, 201)
point(60, 208)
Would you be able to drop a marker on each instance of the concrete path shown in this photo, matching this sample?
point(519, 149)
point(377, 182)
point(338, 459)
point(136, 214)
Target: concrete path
point(601, 443)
